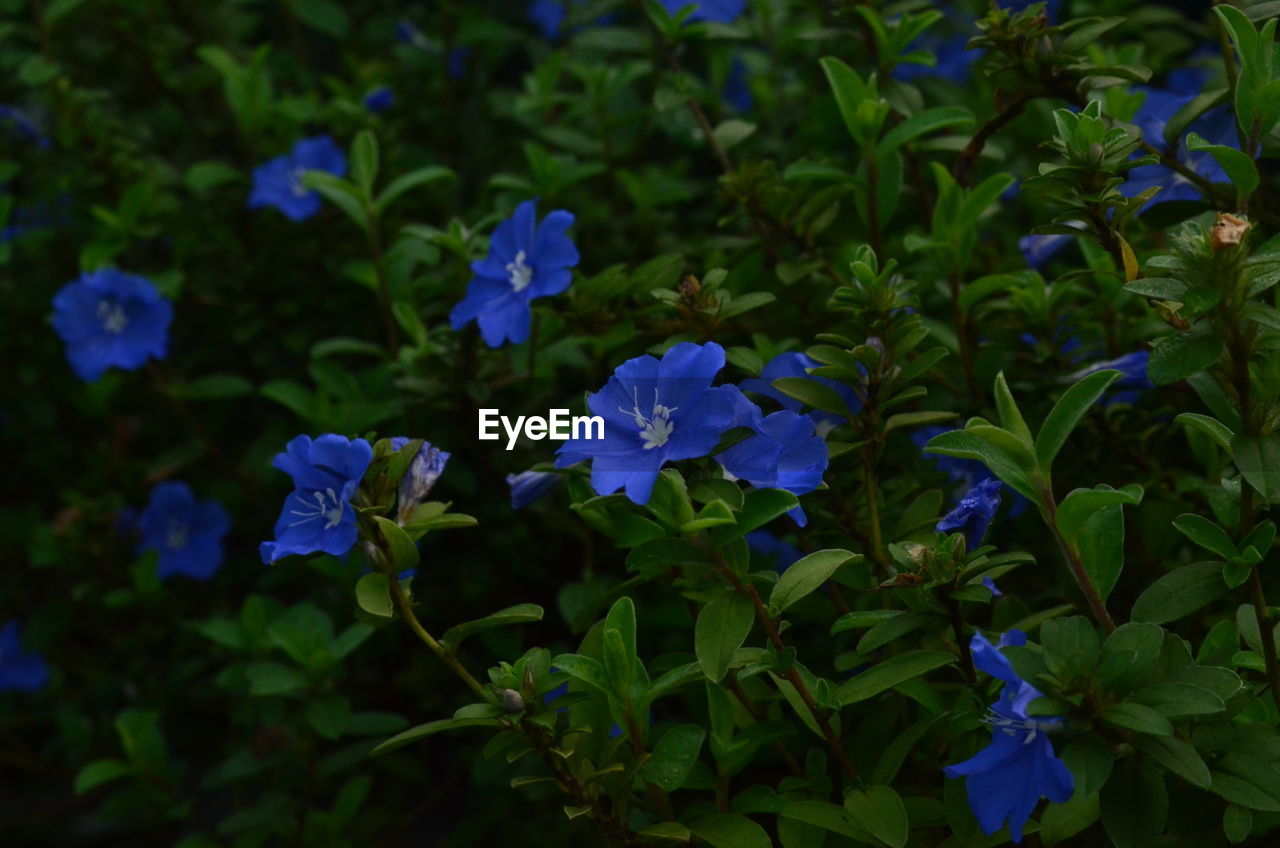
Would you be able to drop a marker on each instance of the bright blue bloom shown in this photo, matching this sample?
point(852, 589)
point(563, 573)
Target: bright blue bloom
point(108, 318)
point(318, 516)
point(1133, 380)
point(1037, 250)
point(186, 533)
point(737, 87)
point(525, 261)
point(530, 486)
point(655, 412)
point(423, 472)
point(992, 587)
point(26, 127)
point(784, 453)
point(1006, 780)
point(379, 100)
point(719, 11)
point(775, 551)
point(547, 16)
point(278, 182)
point(972, 516)
point(19, 671)
point(795, 364)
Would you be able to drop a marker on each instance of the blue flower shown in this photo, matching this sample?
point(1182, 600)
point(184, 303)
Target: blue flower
point(407, 32)
point(655, 412)
point(777, 553)
point(318, 516)
point(1006, 780)
point(966, 471)
point(784, 453)
point(525, 261)
point(379, 100)
point(719, 11)
point(26, 127)
point(972, 516)
point(455, 64)
point(796, 364)
point(530, 486)
point(108, 318)
point(1133, 380)
point(186, 533)
point(1037, 250)
point(278, 183)
point(19, 671)
point(423, 472)
point(992, 587)
point(737, 87)
point(952, 60)
point(547, 16)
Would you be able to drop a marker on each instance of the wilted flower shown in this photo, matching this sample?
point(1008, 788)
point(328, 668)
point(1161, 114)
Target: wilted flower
point(720, 11)
point(655, 412)
point(1006, 780)
point(19, 671)
point(784, 453)
point(379, 100)
point(278, 182)
point(529, 486)
point(318, 516)
point(525, 261)
point(186, 533)
point(973, 515)
point(108, 318)
point(794, 364)
point(423, 472)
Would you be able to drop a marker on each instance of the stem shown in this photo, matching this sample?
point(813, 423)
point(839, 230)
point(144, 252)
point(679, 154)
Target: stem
point(793, 677)
point(406, 611)
point(389, 325)
point(1267, 631)
point(873, 206)
point(1076, 566)
point(966, 655)
point(961, 319)
point(976, 144)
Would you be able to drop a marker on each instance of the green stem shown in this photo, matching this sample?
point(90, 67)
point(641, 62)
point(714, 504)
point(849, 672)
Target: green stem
point(406, 611)
point(1096, 605)
point(389, 325)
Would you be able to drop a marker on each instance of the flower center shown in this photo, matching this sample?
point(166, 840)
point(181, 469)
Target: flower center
point(178, 535)
point(1016, 726)
point(295, 183)
point(327, 506)
point(520, 274)
point(112, 316)
point(657, 428)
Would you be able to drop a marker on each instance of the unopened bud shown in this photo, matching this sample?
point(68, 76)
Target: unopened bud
point(512, 701)
point(689, 288)
point(423, 472)
point(1228, 231)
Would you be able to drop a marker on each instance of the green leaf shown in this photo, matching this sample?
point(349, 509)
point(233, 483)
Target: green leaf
point(345, 195)
point(216, 387)
point(1081, 504)
point(404, 553)
point(720, 630)
point(674, 757)
point(584, 669)
point(1176, 756)
point(850, 92)
point(1248, 781)
point(422, 731)
point(272, 678)
point(364, 161)
point(1180, 592)
point(1012, 468)
point(1134, 806)
point(923, 123)
point(518, 614)
point(1070, 647)
point(99, 772)
point(1210, 426)
point(1180, 356)
point(408, 182)
point(1258, 458)
point(1066, 414)
point(879, 809)
point(1101, 546)
point(329, 715)
point(1059, 822)
point(731, 132)
point(1237, 822)
point(326, 16)
point(1238, 165)
point(730, 830)
point(674, 831)
point(1206, 534)
point(760, 506)
point(894, 628)
point(373, 595)
point(1137, 717)
point(1010, 416)
point(828, 817)
point(1178, 700)
point(807, 574)
point(812, 393)
point(890, 673)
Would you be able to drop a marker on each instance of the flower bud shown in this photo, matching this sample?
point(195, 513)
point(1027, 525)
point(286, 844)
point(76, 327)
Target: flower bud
point(416, 484)
point(1228, 231)
point(512, 701)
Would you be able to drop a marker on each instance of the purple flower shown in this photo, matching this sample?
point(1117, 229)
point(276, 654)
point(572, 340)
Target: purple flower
point(19, 671)
point(108, 318)
point(1006, 780)
point(530, 486)
point(973, 515)
point(318, 516)
point(186, 533)
point(784, 453)
point(278, 182)
point(655, 412)
point(379, 100)
point(524, 262)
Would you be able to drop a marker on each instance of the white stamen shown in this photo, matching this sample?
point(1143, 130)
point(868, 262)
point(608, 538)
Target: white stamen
point(112, 316)
point(520, 274)
point(328, 508)
point(657, 429)
point(178, 535)
point(295, 183)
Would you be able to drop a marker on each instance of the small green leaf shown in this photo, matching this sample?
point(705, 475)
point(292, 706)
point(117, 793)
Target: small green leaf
point(1206, 534)
point(1180, 356)
point(422, 731)
point(807, 574)
point(1010, 416)
point(880, 810)
point(890, 673)
point(364, 161)
point(1067, 412)
point(1180, 592)
point(1138, 717)
point(730, 830)
point(518, 614)
point(408, 182)
point(720, 630)
point(373, 595)
point(404, 553)
point(1176, 756)
point(674, 757)
point(1258, 458)
point(99, 772)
